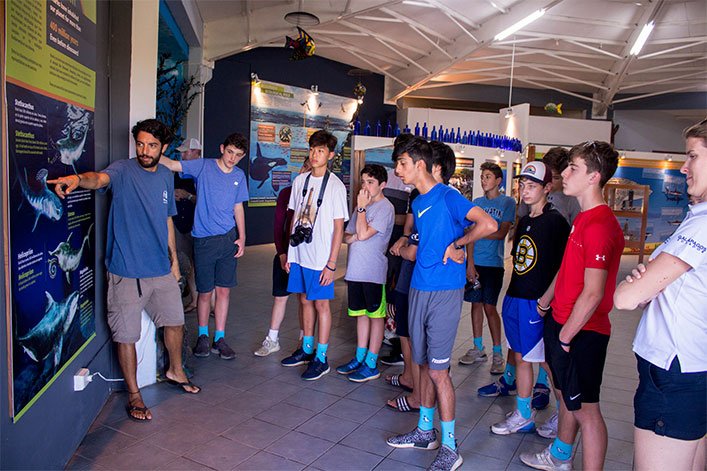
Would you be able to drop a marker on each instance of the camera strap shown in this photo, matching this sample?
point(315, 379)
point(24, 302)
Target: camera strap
point(320, 198)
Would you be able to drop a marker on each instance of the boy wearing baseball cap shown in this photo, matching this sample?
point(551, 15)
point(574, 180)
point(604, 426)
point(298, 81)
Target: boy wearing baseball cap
point(538, 247)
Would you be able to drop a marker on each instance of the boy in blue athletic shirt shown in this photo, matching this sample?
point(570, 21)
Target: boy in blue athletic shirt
point(367, 234)
point(319, 201)
point(219, 235)
point(441, 215)
point(485, 264)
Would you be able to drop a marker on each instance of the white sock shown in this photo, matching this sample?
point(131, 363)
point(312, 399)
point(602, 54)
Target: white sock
point(272, 333)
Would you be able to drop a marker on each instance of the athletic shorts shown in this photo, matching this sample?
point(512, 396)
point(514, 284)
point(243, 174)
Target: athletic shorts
point(400, 301)
point(215, 261)
point(279, 279)
point(671, 403)
point(305, 280)
point(577, 374)
point(491, 279)
point(524, 328)
point(433, 321)
point(366, 299)
point(160, 297)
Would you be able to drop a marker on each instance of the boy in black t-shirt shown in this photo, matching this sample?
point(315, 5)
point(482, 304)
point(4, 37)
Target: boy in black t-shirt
point(538, 246)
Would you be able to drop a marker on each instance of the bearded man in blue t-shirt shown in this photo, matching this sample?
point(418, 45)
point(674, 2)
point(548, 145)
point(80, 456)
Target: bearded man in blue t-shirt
point(141, 255)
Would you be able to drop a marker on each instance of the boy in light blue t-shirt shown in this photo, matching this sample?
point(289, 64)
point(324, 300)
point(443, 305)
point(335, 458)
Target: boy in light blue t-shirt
point(219, 235)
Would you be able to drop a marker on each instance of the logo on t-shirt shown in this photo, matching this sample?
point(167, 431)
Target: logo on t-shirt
point(600, 257)
point(164, 197)
point(235, 183)
point(420, 213)
point(526, 255)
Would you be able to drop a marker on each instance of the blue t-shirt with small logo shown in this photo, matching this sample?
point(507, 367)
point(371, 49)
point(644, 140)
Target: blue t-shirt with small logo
point(489, 252)
point(217, 192)
point(440, 219)
point(136, 244)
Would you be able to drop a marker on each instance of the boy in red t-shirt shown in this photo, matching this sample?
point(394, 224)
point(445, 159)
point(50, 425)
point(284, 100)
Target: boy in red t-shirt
point(577, 329)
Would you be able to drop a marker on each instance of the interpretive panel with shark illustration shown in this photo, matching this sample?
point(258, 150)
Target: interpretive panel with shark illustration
point(282, 119)
point(50, 110)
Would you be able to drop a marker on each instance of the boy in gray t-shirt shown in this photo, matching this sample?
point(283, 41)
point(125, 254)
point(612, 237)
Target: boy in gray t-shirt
point(367, 234)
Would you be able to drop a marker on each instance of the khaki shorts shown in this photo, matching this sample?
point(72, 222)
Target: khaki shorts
point(128, 297)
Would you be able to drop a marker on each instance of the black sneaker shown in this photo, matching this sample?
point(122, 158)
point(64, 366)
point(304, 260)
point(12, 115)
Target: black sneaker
point(315, 370)
point(223, 350)
point(202, 349)
point(298, 358)
point(394, 359)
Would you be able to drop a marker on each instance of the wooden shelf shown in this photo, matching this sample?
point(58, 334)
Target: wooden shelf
point(632, 193)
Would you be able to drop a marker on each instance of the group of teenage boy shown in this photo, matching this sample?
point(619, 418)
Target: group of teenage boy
point(555, 310)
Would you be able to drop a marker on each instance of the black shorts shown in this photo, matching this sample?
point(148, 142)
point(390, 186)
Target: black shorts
point(215, 261)
point(491, 279)
point(671, 403)
point(577, 374)
point(366, 299)
point(279, 279)
point(400, 301)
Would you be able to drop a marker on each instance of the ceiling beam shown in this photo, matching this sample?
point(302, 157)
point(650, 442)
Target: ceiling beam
point(667, 66)
point(560, 90)
point(417, 24)
point(655, 82)
point(672, 49)
point(380, 37)
point(434, 44)
point(338, 43)
point(647, 95)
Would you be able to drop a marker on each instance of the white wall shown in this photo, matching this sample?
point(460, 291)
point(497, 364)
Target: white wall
point(567, 131)
point(465, 120)
point(649, 131)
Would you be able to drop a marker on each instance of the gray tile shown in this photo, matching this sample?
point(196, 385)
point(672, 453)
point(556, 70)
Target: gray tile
point(249, 403)
point(104, 441)
point(181, 439)
point(327, 427)
point(372, 395)
point(264, 461)
point(137, 456)
point(620, 451)
point(619, 430)
point(369, 439)
point(276, 390)
point(331, 384)
point(299, 447)
point(221, 454)
point(483, 442)
point(311, 399)
point(80, 463)
point(389, 464)
point(214, 393)
point(415, 457)
point(352, 410)
point(393, 421)
point(286, 415)
point(477, 461)
point(345, 458)
point(255, 433)
point(184, 464)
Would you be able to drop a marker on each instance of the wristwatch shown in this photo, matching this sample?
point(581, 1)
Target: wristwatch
point(361, 210)
point(457, 246)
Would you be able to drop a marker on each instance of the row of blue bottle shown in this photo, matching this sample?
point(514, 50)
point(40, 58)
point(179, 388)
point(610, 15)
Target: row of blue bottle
point(367, 131)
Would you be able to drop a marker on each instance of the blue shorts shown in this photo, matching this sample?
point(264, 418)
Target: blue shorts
point(671, 403)
point(305, 280)
point(215, 261)
point(524, 328)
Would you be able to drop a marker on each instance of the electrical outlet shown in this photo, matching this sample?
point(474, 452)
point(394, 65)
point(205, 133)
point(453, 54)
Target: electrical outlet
point(81, 379)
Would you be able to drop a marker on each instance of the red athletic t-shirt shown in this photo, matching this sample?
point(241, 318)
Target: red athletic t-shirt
point(596, 241)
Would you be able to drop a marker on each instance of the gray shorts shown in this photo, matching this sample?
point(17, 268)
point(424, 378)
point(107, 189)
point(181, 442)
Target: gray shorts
point(127, 297)
point(433, 318)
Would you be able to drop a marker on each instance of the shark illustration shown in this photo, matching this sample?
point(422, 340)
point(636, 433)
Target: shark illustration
point(71, 146)
point(44, 202)
point(69, 257)
point(47, 337)
point(261, 166)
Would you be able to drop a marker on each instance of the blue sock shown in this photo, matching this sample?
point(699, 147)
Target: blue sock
point(308, 344)
point(448, 434)
point(479, 343)
point(510, 374)
point(371, 359)
point(321, 351)
point(361, 354)
point(427, 416)
point(542, 377)
point(523, 405)
point(497, 349)
point(204, 330)
point(219, 335)
point(561, 450)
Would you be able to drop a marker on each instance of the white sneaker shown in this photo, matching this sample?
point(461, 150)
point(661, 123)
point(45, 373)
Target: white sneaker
point(549, 428)
point(545, 460)
point(473, 356)
point(515, 423)
point(269, 346)
point(498, 366)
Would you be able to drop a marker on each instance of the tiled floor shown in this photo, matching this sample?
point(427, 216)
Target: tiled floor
point(253, 414)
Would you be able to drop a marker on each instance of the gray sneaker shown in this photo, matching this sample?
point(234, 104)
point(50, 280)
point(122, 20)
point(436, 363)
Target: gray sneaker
point(223, 350)
point(446, 460)
point(473, 356)
point(545, 460)
point(498, 366)
point(549, 428)
point(201, 349)
point(415, 439)
point(269, 346)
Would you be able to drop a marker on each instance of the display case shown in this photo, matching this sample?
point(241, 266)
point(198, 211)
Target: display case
point(630, 202)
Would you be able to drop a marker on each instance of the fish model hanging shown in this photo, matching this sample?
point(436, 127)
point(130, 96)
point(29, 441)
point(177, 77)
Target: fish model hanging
point(261, 166)
point(302, 47)
point(68, 257)
point(554, 108)
point(47, 337)
point(44, 202)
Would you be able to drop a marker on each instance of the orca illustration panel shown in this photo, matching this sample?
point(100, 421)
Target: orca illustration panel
point(282, 118)
point(50, 111)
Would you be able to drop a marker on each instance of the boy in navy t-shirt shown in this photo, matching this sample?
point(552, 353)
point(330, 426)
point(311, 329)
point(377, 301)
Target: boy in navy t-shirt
point(436, 290)
point(219, 235)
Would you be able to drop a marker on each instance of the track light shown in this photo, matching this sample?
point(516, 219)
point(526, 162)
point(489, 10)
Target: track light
point(254, 79)
point(509, 113)
point(519, 25)
point(315, 89)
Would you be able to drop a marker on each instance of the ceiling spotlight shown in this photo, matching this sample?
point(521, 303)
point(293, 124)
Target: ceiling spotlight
point(302, 18)
point(315, 89)
point(642, 38)
point(519, 25)
point(509, 113)
point(254, 79)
